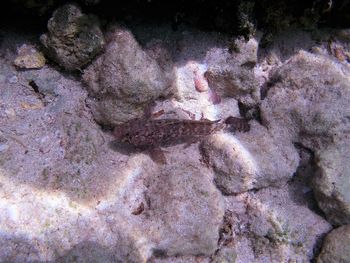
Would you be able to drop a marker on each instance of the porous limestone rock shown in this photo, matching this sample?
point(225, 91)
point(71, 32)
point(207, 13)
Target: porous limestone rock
point(73, 38)
point(307, 102)
point(242, 163)
point(331, 183)
point(175, 209)
point(185, 205)
point(336, 246)
point(29, 58)
point(271, 225)
point(317, 91)
point(275, 227)
point(231, 73)
point(124, 79)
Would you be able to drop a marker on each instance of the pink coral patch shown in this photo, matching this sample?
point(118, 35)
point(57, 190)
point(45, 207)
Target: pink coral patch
point(200, 83)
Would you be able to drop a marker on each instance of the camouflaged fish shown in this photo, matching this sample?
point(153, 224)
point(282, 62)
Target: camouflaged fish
point(151, 134)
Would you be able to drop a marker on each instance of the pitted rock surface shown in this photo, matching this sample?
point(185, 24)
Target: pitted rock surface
point(124, 80)
point(318, 93)
point(73, 38)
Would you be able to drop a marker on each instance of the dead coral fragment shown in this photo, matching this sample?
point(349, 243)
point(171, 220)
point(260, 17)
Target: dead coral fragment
point(29, 58)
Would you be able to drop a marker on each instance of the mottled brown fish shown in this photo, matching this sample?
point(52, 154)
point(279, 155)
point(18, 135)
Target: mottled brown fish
point(151, 134)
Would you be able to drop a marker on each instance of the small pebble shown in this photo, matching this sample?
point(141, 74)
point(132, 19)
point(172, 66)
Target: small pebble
point(29, 58)
point(10, 112)
point(13, 79)
point(3, 147)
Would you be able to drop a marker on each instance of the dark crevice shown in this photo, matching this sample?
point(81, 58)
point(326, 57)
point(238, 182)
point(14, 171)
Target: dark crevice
point(225, 232)
point(105, 127)
point(317, 247)
point(40, 95)
point(249, 64)
point(36, 88)
point(250, 112)
point(159, 253)
point(256, 190)
point(269, 84)
point(303, 178)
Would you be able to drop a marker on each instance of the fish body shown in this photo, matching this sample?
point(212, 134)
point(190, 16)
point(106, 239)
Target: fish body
point(144, 133)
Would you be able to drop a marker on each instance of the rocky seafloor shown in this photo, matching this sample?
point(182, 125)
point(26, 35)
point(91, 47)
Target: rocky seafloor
point(277, 193)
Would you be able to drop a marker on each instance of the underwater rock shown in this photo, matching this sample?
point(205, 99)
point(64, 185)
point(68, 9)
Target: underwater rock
point(124, 79)
point(29, 58)
point(316, 116)
point(242, 163)
point(232, 74)
point(336, 246)
point(73, 38)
